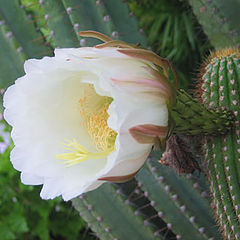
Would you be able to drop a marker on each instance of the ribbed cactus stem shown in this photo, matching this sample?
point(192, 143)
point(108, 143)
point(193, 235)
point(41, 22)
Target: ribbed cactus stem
point(31, 42)
point(219, 19)
point(191, 117)
point(221, 87)
point(115, 215)
point(175, 203)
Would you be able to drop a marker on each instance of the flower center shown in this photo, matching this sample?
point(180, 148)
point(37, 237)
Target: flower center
point(94, 119)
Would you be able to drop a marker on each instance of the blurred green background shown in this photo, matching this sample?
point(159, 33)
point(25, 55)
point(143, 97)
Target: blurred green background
point(173, 32)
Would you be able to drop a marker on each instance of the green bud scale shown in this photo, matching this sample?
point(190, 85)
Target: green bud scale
point(190, 117)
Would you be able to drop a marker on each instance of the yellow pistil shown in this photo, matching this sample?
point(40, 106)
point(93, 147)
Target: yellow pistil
point(79, 153)
point(94, 118)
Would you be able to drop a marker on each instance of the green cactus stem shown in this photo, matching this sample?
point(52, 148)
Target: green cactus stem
point(57, 18)
point(182, 207)
point(115, 213)
point(220, 88)
point(220, 20)
point(68, 17)
point(23, 29)
point(8, 49)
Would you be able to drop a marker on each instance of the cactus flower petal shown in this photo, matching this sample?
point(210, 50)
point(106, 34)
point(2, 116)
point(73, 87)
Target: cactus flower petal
point(75, 126)
point(119, 179)
point(95, 34)
point(147, 133)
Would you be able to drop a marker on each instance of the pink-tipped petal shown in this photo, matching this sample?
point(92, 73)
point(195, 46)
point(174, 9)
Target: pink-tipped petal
point(144, 86)
point(147, 133)
point(119, 179)
point(145, 55)
point(160, 77)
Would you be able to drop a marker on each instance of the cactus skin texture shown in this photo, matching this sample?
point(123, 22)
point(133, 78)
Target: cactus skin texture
point(221, 88)
point(160, 203)
point(183, 201)
point(16, 47)
point(68, 17)
point(220, 20)
point(18, 22)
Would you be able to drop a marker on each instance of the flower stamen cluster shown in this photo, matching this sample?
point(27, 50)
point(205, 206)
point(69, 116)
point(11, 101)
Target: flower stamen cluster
point(93, 110)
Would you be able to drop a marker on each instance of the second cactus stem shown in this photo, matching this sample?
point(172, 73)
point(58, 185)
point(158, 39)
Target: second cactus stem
point(220, 89)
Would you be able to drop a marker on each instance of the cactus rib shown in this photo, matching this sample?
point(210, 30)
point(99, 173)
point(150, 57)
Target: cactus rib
point(220, 90)
point(92, 19)
point(57, 18)
point(183, 208)
point(126, 214)
point(31, 41)
point(11, 61)
point(219, 21)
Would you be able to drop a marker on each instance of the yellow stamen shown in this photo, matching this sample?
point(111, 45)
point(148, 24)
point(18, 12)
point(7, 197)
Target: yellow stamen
point(94, 118)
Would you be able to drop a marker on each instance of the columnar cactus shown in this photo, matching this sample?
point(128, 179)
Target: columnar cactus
point(220, 89)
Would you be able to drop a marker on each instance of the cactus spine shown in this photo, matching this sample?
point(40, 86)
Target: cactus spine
point(221, 87)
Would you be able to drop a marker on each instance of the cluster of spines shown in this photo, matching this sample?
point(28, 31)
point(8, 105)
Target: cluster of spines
point(220, 89)
point(192, 118)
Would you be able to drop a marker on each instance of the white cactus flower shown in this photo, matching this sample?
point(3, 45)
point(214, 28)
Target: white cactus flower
point(86, 116)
